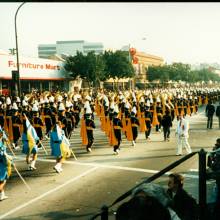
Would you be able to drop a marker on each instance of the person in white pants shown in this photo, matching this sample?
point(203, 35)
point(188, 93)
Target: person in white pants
point(182, 132)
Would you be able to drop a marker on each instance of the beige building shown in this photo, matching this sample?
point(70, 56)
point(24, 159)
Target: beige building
point(141, 61)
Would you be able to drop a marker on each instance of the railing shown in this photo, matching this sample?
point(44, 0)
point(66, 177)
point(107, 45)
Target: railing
point(104, 213)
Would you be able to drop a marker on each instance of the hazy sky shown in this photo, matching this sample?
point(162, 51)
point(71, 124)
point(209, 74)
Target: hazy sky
point(178, 32)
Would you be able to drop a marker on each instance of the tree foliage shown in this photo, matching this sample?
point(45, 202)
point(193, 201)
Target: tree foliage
point(95, 68)
point(179, 71)
point(117, 64)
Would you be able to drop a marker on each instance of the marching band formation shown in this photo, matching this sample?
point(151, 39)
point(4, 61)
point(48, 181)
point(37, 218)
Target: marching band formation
point(55, 116)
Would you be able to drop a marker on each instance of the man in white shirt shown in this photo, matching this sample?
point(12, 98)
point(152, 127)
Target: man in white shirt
point(182, 132)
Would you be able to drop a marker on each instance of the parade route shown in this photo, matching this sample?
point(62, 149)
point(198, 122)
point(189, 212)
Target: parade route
point(99, 177)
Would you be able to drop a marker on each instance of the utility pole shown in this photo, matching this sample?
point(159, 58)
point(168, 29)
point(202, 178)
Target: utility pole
point(18, 83)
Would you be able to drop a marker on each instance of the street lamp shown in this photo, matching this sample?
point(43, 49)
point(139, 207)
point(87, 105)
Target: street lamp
point(17, 55)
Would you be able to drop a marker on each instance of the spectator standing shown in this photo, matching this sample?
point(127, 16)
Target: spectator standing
point(167, 124)
point(182, 132)
point(149, 201)
point(182, 203)
point(210, 110)
point(218, 114)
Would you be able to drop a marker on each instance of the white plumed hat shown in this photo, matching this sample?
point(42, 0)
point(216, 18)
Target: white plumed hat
point(116, 110)
point(35, 108)
point(134, 110)
point(8, 101)
point(88, 110)
point(14, 106)
point(61, 107)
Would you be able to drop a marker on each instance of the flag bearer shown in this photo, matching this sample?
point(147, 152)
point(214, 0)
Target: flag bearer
point(5, 166)
point(59, 146)
point(29, 140)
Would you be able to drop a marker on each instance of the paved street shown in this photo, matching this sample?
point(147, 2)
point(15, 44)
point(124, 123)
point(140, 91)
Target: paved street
point(99, 177)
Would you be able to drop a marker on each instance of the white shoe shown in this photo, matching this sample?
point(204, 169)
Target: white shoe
point(3, 196)
point(32, 168)
point(17, 147)
point(133, 143)
point(13, 145)
point(89, 149)
point(116, 152)
point(57, 169)
point(47, 137)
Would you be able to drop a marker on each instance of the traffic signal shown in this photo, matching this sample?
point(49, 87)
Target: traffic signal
point(15, 76)
point(15, 83)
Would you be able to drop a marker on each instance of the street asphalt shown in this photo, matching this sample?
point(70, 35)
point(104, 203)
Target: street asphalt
point(100, 177)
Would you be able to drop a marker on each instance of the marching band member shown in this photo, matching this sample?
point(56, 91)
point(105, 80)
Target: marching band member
point(59, 146)
point(90, 125)
point(70, 119)
point(134, 124)
point(62, 118)
point(37, 124)
point(148, 120)
point(5, 166)
point(117, 126)
point(16, 126)
point(76, 110)
point(29, 140)
point(159, 114)
point(47, 117)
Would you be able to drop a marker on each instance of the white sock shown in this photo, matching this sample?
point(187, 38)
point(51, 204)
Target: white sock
point(33, 163)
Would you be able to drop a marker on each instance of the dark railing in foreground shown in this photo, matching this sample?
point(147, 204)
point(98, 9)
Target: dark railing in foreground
point(202, 185)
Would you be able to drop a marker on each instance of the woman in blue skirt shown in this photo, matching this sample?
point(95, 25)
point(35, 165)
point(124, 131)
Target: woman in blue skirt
point(5, 166)
point(59, 146)
point(29, 140)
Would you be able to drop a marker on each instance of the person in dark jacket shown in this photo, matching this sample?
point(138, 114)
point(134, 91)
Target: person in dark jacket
point(117, 126)
point(210, 110)
point(90, 125)
point(183, 204)
point(134, 124)
point(166, 123)
point(218, 114)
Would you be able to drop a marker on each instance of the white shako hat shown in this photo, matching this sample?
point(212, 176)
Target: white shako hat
point(127, 105)
point(112, 105)
point(68, 104)
point(141, 99)
point(59, 98)
point(18, 99)
point(14, 106)
point(46, 100)
point(158, 99)
point(116, 110)
point(61, 107)
point(51, 99)
point(88, 98)
point(8, 101)
point(35, 108)
point(134, 110)
point(88, 110)
point(24, 103)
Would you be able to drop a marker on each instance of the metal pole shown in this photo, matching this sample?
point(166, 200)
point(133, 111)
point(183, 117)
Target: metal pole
point(202, 185)
point(104, 215)
point(17, 54)
point(129, 60)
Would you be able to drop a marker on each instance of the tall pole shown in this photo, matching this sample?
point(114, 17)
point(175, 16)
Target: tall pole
point(130, 61)
point(17, 54)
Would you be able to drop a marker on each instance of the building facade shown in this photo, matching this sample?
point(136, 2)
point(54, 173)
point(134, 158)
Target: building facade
point(69, 48)
point(141, 61)
point(35, 73)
